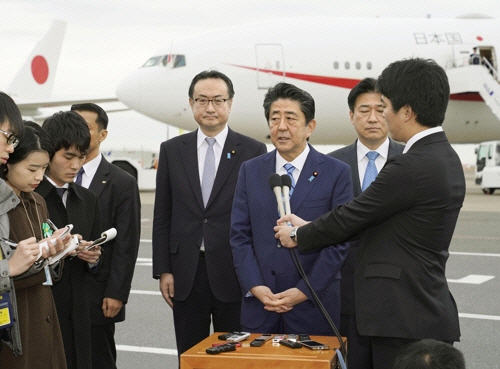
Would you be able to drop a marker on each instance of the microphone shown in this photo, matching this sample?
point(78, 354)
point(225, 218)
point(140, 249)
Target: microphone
point(275, 184)
point(287, 184)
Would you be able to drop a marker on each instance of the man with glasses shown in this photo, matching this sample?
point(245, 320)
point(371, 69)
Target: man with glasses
point(195, 183)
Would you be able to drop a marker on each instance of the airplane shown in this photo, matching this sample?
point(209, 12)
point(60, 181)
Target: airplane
point(32, 85)
point(327, 57)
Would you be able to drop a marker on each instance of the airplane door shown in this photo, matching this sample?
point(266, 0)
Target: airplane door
point(270, 65)
point(462, 54)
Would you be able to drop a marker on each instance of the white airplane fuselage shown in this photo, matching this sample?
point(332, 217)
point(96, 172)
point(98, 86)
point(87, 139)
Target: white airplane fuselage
point(324, 56)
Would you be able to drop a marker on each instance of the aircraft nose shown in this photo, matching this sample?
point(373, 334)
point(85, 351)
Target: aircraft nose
point(129, 91)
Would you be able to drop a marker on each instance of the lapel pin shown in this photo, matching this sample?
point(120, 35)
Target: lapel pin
point(103, 182)
point(314, 175)
point(230, 153)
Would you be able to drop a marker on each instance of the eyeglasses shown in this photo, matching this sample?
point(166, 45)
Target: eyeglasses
point(204, 102)
point(11, 139)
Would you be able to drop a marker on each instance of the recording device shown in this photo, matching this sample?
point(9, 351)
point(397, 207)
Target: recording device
point(304, 337)
point(222, 348)
point(105, 237)
point(279, 337)
point(238, 336)
point(224, 336)
point(291, 344)
point(237, 344)
point(314, 345)
point(259, 341)
point(292, 337)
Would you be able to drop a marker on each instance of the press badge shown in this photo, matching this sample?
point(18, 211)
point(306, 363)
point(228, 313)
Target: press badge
point(5, 311)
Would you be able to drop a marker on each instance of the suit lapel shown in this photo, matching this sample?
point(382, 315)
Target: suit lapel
point(307, 180)
point(351, 155)
point(100, 179)
point(268, 167)
point(189, 156)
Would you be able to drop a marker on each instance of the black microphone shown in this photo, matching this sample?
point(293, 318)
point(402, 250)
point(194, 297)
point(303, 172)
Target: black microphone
point(287, 184)
point(275, 184)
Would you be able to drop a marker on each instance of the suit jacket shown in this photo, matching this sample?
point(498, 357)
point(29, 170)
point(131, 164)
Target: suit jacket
point(70, 292)
point(181, 221)
point(323, 184)
point(349, 155)
point(407, 216)
point(121, 209)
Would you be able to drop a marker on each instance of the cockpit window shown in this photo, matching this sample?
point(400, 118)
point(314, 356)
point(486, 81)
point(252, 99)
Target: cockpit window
point(169, 61)
point(152, 61)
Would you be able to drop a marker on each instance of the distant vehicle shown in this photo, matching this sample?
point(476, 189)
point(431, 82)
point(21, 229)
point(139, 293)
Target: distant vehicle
point(488, 166)
point(141, 165)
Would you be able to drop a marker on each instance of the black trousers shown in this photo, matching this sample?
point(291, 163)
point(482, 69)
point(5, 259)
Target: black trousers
point(192, 317)
point(103, 346)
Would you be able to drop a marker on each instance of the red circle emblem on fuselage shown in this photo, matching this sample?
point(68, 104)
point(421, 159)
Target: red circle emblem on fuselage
point(40, 69)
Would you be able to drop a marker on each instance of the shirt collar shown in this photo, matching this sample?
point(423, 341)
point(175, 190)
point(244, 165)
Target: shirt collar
point(91, 166)
point(421, 135)
point(298, 162)
point(383, 150)
point(219, 139)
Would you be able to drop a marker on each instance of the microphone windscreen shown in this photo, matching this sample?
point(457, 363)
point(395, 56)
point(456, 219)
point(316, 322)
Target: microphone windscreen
point(274, 180)
point(286, 180)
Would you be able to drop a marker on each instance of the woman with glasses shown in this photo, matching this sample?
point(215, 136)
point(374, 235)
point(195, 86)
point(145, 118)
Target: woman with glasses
point(15, 259)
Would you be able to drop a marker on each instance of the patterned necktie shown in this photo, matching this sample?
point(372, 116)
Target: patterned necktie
point(78, 180)
point(207, 181)
point(60, 191)
point(371, 169)
point(289, 170)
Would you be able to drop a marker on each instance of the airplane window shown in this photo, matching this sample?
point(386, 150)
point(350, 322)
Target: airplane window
point(166, 59)
point(152, 61)
point(347, 65)
point(180, 61)
point(358, 65)
point(336, 65)
point(369, 65)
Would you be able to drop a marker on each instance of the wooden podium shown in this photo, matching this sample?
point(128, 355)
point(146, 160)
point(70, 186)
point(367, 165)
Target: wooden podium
point(269, 355)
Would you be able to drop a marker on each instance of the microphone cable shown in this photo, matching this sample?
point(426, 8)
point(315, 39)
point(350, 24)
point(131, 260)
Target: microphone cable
point(287, 182)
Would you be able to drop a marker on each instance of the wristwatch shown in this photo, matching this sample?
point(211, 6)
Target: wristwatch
point(293, 234)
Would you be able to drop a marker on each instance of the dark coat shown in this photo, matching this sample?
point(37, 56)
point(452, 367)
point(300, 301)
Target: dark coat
point(407, 217)
point(121, 208)
point(70, 293)
point(349, 156)
point(41, 338)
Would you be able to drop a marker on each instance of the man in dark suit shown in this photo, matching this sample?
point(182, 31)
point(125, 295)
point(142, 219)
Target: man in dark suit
point(365, 112)
point(407, 217)
point(195, 183)
point(69, 203)
point(276, 298)
point(121, 209)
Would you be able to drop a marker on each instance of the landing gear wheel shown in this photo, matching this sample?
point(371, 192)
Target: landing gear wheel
point(488, 191)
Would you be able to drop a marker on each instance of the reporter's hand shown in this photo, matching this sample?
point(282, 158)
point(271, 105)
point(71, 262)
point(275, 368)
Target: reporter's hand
point(24, 256)
point(90, 256)
point(167, 288)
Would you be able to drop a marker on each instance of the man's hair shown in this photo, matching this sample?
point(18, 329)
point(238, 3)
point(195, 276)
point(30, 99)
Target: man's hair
point(429, 354)
point(102, 118)
point(35, 139)
point(419, 83)
point(367, 85)
point(9, 111)
point(214, 74)
point(68, 129)
point(287, 91)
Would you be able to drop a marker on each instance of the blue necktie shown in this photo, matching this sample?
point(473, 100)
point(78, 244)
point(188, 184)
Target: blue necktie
point(371, 169)
point(289, 170)
point(60, 191)
point(78, 180)
point(207, 181)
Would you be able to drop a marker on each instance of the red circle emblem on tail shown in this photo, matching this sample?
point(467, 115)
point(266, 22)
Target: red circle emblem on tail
point(40, 69)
